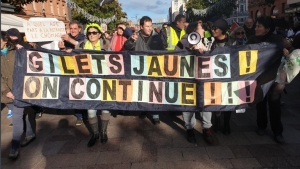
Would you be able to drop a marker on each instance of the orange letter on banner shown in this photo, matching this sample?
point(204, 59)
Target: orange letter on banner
point(212, 93)
point(83, 63)
point(124, 90)
point(32, 87)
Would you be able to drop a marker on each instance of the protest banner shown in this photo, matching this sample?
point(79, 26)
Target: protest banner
point(228, 78)
point(42, 31)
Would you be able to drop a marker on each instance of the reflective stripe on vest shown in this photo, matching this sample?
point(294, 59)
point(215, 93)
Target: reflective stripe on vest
point(172, 38)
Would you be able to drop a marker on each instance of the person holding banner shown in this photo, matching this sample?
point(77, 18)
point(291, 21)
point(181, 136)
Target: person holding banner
point(143, 40)
point(70, 40)
point(264, 29)
point(7, 68)
point(93, 34)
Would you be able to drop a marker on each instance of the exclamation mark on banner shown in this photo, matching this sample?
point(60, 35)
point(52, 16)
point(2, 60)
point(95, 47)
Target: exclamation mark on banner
point(247, 87)
point(248, 59)
point(229, 87)
point(212, 90)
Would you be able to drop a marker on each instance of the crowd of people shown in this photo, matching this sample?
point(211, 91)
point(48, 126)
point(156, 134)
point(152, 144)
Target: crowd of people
point(172, 36)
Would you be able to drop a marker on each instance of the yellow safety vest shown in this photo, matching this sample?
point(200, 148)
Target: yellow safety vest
point(172, 38)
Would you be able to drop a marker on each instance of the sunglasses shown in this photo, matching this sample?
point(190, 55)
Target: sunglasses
point(94, 33)
point(214, 28)
point(240, 33)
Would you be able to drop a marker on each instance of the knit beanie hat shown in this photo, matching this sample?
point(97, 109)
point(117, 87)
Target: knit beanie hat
point(221, 24)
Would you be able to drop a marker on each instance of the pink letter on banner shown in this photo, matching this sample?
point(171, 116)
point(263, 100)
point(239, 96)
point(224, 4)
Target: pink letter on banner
point(35, 62)
point(77, 89)
point(115, 63)
point(247, 91)
point(204, 67)
point(156, 92)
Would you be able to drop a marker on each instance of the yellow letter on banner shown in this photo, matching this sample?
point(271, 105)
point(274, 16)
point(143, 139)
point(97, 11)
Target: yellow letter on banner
point(248, 61)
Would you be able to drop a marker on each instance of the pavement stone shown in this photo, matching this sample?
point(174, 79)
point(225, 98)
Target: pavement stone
point(245, 163)
point(217, 152)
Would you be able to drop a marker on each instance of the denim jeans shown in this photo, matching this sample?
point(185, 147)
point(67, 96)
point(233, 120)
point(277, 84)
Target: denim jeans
point(190, 120)
point(105, 114)
point(18, 119)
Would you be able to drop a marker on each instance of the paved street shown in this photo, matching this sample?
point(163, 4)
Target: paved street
point(138, 144)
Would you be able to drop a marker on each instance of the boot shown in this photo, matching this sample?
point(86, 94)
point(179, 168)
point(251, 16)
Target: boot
point(191, 136)
point(94, 134)
point(14, 151)
point(207, 135)
point(103, 133)
point(226, 129)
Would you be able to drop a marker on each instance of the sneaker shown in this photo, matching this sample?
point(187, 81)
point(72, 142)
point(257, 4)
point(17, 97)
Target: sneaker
point(279, 139)
point(191, 136)
point(207, 135)
point(156, 121)
point(79, 122)
point(9, 114)
point(260, 132)
point(27, 140)
point(13, 154)
point(38, 115)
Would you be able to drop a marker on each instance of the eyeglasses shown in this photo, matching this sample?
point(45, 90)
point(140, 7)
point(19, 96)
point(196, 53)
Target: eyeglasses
point(240, 33)
point(94, 33)
point(214, 28)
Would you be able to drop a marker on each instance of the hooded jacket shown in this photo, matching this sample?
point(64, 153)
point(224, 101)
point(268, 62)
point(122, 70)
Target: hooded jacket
point(154, 43)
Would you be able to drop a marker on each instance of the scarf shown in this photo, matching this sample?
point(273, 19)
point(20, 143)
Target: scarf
point(88, 45)
point(4, 51)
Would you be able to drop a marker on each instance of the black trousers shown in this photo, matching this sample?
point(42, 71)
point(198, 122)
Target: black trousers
point(272, 101)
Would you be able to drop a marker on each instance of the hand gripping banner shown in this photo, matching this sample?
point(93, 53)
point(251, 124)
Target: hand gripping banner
point(228, 78)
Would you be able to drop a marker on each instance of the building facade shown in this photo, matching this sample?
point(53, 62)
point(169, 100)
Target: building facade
point(276, 11)
point(177, 7)
point(240, 13)
point(50, 9)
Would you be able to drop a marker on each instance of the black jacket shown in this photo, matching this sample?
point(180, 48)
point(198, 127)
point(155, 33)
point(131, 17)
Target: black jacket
point(154, 43)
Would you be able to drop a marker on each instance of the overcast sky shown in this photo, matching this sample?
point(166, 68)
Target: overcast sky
point(155, 9)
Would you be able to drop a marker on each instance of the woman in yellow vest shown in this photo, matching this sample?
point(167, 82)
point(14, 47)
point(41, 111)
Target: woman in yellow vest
point(93, 34)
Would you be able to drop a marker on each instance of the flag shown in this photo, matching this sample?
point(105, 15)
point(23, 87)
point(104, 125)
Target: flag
point(103, 2)
point(234, 25)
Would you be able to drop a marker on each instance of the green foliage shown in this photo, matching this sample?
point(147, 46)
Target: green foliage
point(105, 11)
point(197, 4)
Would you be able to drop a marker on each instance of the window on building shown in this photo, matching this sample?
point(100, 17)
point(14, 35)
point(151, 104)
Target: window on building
point(283, 7)
point(241, 19)
point(57, 8)
point(33, 6)
point(241, 8)
point(241, 1)
point(51, 8)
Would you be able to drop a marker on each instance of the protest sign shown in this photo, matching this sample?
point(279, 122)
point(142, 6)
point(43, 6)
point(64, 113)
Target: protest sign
point(228, 78)
point(42, 31)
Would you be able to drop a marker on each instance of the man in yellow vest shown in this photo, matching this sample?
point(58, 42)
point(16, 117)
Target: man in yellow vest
point(173, 33)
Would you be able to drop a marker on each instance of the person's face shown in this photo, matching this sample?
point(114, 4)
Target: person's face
point(3, 44)
point(239, 34)
point(260, 30)
point(93, 34)
point(200, 22)
point(249, 23)
point(217, 32)
point(147, 28)
point(181, 23)
point(74, 30)
point(120, 31)
point(165, 26)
